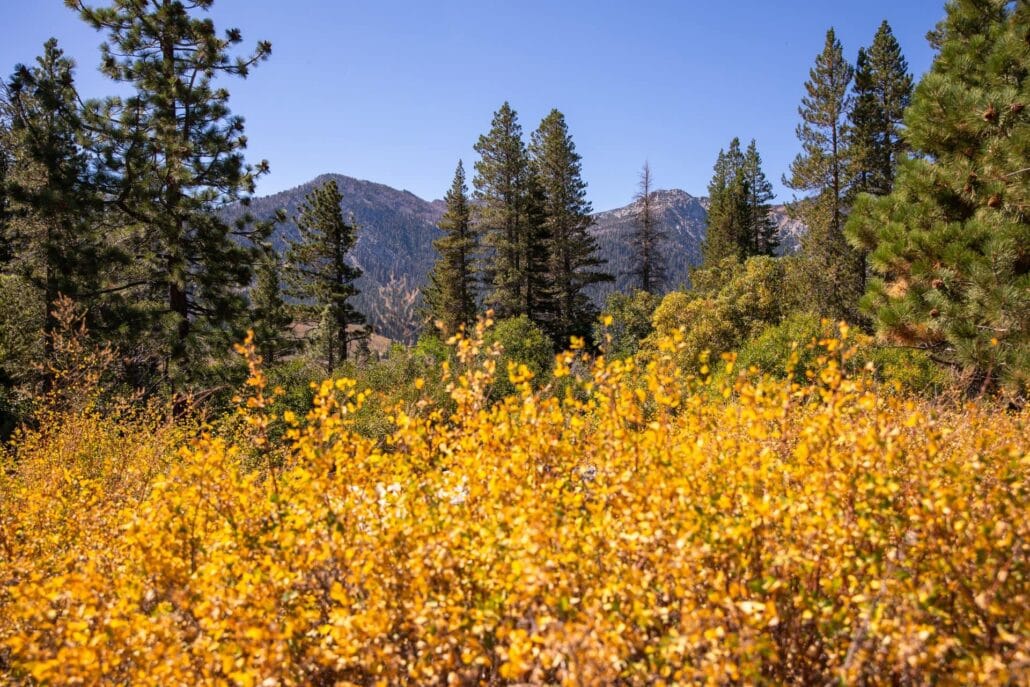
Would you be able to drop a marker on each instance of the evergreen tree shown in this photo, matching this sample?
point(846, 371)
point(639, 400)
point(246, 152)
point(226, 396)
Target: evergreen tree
point(951, 243)
point(834, 270)
point(51, 236)
point(537, 243)
point(509, 219)
point(450, 296)
point(759, 228)
point(727, 208)
point(319, 276)
point(893, 87)
point(882, 91)
point(270, 315)
point(175, 157)
point(866, 123)
point(739, 225)
point(648, 260)
point(573, 256)
point(6, 159)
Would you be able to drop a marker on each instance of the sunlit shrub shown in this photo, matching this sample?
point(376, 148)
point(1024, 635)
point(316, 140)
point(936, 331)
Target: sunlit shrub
point(649, 529)
point(790, 346)
point(522, 343)
point(730, 304)
point(628, 318)
point(907, 369)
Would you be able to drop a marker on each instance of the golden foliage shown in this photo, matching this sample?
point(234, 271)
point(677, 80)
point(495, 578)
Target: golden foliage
point(638, 527)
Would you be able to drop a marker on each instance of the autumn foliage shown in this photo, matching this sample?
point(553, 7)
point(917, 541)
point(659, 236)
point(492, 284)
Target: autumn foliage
point(626, 524)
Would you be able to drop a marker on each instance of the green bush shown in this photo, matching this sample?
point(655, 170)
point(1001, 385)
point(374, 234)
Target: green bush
point(771, 351)
point(720, 318)
point(794, 343)
point(295, 377)
point(630, 322)
point(391, 380)
point(431, 346)
point(522, 342)
point(21, 346)
point(906, 369)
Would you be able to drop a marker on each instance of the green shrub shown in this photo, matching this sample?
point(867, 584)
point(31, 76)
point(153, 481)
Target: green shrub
point(21, 345)
point(630, 322)
point(794, 343)
point(431, 346)
point(721, 318)
point(905, 369)
point(522, 342)
point(295, 377)
point(771, 351)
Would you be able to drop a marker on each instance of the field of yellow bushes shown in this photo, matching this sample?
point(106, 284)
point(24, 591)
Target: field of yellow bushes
point(628, 524)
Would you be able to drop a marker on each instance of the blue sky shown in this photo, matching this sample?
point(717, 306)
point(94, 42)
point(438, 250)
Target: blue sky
point(397, 91)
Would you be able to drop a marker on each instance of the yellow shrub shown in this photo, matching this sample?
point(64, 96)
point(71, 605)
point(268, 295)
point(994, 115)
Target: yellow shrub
point(632, 531)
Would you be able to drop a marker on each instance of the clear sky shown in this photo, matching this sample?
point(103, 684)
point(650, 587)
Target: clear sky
point(396, 91)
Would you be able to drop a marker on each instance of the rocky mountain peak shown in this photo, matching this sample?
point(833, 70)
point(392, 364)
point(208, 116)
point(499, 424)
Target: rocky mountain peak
point(396, 230)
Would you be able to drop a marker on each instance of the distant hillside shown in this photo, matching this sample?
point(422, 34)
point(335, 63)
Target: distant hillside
point(682, 217)
point(789, 230)
point(396, 230)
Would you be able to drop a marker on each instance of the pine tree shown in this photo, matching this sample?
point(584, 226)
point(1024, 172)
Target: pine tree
point(573, 260)
point(882, 91)
point(739, 225)
point(866, 123)
point(536, 246)
point(6, 159)
point(269, 313)
point(647, 239)
point(51, 236)
point(450, 297)
point(760, 236)
point(509, 219)
point(319, 275)
point(175, 157)
point(951, 243)
point(893, 87)
point(727, 209)
point(834, 270)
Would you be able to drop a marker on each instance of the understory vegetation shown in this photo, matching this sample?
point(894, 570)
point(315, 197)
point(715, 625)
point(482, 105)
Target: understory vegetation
point(805, 466)
point(626, 521)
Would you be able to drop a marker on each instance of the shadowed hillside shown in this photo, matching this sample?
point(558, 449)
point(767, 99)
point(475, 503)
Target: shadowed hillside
point(396, 230)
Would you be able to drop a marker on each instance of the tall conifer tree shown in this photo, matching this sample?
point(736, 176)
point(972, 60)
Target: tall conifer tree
point(727, 208)
point(883, 89)
point(450, 296)
point(270, 315)
point(951, 243)
point(574, 262)
point(319, 275)
point(176, 157)
point(892, 84)
point(759, 228)
point(509, 219)
point(52, 236)
point(834, 270)
point(6, 159)
point(739, 225)
point(869, 158)
point(648, 237)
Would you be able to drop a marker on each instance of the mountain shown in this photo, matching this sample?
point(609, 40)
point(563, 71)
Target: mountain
point(394, 249)
point(396, 230)
point(788, 229)
point(682, 217)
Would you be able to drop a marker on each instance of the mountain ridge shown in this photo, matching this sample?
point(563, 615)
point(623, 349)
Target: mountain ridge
point(396, 230)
